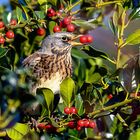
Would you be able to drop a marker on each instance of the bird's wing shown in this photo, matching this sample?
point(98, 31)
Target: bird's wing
point(32, 60)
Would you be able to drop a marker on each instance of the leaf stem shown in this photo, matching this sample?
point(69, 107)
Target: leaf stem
point(112, 107)
point(72, 6)
point(98, 5)
point(120, 38)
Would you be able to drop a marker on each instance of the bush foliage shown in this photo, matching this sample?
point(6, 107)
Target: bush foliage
point(103, 90)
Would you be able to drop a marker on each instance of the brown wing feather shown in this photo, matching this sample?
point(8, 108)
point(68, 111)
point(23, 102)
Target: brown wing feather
point(31, 60)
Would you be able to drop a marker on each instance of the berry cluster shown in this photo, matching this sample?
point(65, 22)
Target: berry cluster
point(47, 127)
point(70, 110)
point(82, 123)
point(9, 34)
point(86, 39)
point(63, 22)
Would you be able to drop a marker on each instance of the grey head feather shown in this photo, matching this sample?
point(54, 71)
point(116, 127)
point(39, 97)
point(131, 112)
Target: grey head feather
point(56, 43)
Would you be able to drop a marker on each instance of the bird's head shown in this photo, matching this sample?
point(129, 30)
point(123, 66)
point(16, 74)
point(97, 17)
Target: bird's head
point(60, 43)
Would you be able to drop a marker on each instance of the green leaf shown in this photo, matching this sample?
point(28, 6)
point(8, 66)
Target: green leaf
point(135, 135)
point(53, 2)
point(79, 54)
point(90, 24)
point(40, 14)
point(79, 104)
point(19, 14)
point(112, 26)
point(93, 52)
point(18, 131)
point(93, 78)
point(48, 96)
point(134, 14)
point(67, 89)
point(25, 11)
point(133, 38)
point(42, 1)
point(51, 26)
point(3, 52)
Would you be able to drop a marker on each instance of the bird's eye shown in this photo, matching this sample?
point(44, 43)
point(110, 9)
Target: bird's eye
point(65, 38)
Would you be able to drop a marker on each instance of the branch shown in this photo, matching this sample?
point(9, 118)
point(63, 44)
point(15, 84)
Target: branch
point(112, 107)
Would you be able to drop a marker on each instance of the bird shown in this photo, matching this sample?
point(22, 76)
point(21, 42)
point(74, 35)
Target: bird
point(52, 63)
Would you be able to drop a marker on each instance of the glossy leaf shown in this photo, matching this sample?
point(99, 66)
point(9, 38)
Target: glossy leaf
point(130, 73)
point(51, 26)
point(91, 24)
point(40, 14)
point(79, 54)
point(134, 14)
point(112, 26)
point(53, 2)
point(93, 52)
point(41, 1)
point(67, 90)
point(18, 131)
point(3, 52)
point(133, 38)
point(135, 135)
point(48, 96)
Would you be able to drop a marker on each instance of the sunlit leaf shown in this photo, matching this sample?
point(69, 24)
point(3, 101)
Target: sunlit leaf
point(18, 131)
point(135, 135)
point(42, 1)
point(133, 38)
point(67, 89)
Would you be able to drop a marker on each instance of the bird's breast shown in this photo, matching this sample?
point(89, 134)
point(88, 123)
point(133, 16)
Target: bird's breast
point(51, 72)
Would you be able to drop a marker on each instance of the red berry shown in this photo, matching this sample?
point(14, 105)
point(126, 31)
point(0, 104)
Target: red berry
point(13, 22)
point(70, 28)
point(73, 110)
point(48, 126)
point(40, 31)
point(86, 123)
point(78, 128)
point(41, 126)
point(1, 24)
point(2, 40)
point(10, 34)
point(71, 124)
point(61, 24)
point(51, 12)
point(109, 96)
point(66, 20)
point(83, 39)
point(56, 29)
point(89, 39)
point(67, 110)
point(80, 123)
point(92, 124)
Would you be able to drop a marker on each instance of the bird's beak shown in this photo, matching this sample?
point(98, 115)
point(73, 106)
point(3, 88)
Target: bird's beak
point(75, 43)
